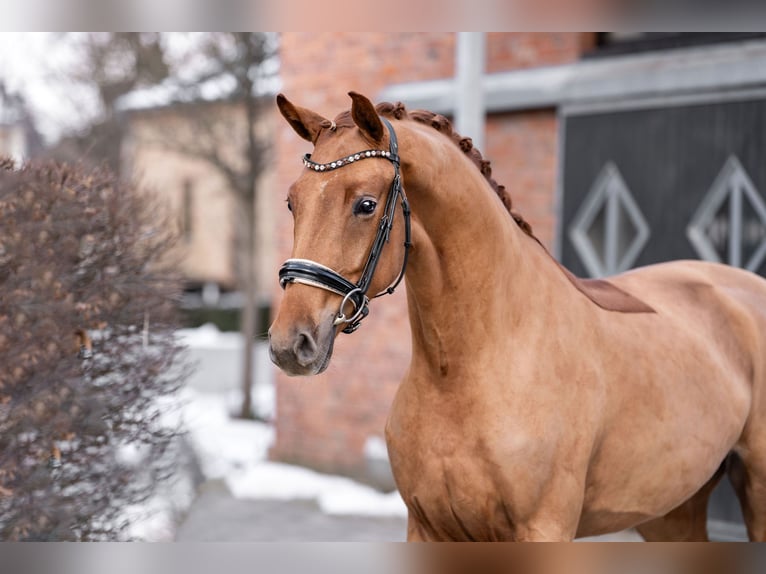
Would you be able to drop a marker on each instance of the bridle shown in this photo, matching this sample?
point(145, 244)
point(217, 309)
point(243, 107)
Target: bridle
point(317, 275)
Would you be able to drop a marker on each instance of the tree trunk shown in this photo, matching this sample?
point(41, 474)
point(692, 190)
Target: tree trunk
point(249, 311)
point(250, 199)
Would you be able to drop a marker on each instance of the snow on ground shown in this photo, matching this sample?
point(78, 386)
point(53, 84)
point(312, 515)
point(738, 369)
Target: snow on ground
point(217, 360)
point(224, 446)
point(156, 519)
point(208, 335)
point(236, 451)
point(334, 494)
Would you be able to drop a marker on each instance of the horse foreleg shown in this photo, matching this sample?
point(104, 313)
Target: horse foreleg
point(536, 530)
point(748, 477)
point(687, 522)
point(414, 532)
point(543, 533)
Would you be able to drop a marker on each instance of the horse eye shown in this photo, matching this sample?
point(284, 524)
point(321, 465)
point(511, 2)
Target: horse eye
point(365, 207)
point(289, 205)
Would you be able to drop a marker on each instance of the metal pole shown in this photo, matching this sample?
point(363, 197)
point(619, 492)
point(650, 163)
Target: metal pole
point(469, 64)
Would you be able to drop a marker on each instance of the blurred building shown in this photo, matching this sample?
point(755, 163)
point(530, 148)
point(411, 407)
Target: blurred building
point(161, 151)
point(620, 149)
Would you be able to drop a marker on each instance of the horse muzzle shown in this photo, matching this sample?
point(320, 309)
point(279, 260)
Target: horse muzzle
point(302, 350)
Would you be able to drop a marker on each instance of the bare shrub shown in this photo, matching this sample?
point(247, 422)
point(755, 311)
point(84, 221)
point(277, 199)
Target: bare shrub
point(86, 352)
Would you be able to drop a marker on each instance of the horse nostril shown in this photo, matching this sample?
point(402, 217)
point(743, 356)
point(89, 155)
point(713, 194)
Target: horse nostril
point(305, 349)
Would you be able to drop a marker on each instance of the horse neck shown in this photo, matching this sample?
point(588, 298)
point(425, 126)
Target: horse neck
point(474, 275)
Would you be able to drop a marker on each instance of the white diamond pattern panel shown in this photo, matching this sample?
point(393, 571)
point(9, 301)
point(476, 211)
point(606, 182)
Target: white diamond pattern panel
point(730, 223)
point(609, 230)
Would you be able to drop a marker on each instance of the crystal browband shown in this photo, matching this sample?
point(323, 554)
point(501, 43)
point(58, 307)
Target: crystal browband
point(346, 160)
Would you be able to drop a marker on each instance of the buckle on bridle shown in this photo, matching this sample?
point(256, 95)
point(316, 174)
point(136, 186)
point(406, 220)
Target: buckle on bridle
point(360, 311)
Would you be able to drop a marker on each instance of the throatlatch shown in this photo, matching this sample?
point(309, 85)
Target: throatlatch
point(312, 273)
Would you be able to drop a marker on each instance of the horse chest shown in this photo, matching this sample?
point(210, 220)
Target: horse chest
point(453, 499)
point(451, 485)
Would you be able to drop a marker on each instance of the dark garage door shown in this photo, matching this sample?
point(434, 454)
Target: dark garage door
point(695, 165)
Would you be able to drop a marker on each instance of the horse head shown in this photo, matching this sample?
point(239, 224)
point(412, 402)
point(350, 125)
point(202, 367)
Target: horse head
point(350, 236)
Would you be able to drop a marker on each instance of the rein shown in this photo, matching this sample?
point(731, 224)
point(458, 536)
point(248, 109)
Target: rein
point(317, 275)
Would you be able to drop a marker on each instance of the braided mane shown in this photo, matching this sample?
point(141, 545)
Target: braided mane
point(444, 126)
point(603, 293)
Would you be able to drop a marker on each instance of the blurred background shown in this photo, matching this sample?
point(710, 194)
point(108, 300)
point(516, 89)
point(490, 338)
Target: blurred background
point(620, 149)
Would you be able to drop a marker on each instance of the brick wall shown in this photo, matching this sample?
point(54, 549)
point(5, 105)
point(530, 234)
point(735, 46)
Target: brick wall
point(324, 421)
point(509, 51)
point(523, 149)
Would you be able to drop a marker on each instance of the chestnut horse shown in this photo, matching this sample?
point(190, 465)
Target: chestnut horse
point(537, 406)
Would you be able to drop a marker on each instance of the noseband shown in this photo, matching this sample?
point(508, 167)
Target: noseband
point(312, 273)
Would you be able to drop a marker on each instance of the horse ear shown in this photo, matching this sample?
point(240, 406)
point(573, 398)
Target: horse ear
point(306, 123)
point(365, 117)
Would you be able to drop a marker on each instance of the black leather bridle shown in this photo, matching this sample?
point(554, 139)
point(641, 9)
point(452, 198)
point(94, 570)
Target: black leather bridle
point(312, 273)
